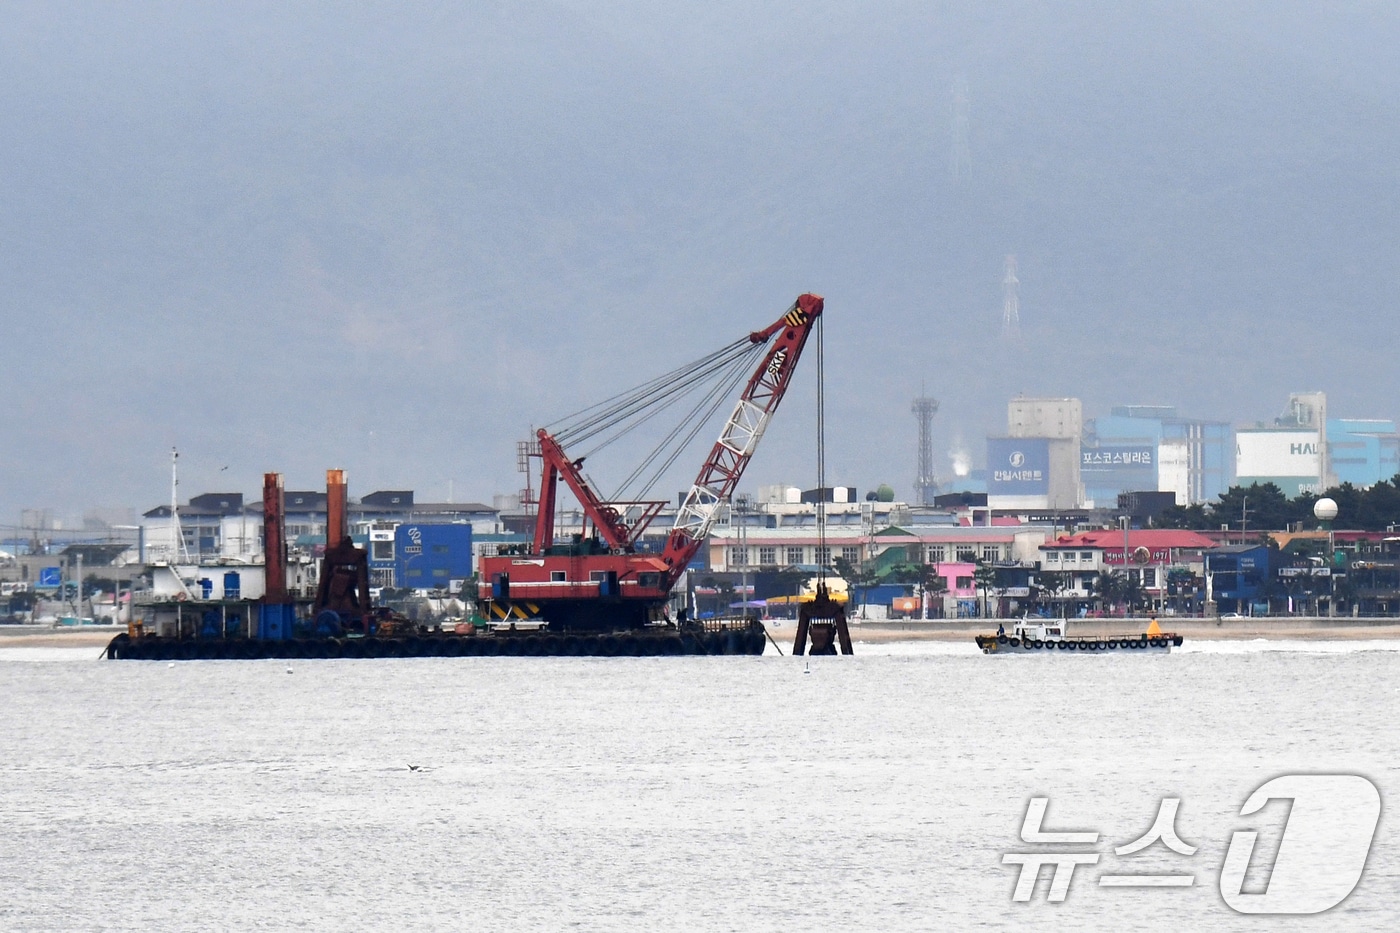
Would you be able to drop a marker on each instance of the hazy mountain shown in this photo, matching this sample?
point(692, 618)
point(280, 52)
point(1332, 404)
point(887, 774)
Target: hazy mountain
point(392, 238)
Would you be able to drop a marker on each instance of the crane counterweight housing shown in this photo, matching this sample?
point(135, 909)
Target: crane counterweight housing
point(602, 580)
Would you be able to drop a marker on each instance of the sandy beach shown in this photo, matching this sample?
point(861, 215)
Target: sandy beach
point(43, 636)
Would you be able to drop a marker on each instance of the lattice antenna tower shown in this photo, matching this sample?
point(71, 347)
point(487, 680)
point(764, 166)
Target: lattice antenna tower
point(960, 154)
point(1010, 300)
point(925, 486)
point(525, 453)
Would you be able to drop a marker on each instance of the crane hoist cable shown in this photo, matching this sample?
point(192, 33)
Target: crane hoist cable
point(822, 552)
point(721, 393)
point(713, 377)
point(645, 412)
point(588, 422)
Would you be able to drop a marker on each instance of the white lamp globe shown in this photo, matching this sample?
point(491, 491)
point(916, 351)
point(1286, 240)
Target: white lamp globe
point(1324, 510)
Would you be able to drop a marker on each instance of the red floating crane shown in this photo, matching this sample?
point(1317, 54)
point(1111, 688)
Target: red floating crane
point(602, 579)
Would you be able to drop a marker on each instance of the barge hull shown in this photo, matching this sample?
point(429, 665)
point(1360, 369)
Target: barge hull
point(617, 645)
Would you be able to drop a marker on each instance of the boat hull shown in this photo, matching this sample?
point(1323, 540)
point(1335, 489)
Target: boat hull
point(1004, 646)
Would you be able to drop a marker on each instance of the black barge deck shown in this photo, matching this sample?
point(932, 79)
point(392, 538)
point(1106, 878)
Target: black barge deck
point(700, 641)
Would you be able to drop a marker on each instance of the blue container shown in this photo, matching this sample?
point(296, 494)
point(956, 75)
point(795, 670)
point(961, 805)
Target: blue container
point(206, 588)
point(275, 621)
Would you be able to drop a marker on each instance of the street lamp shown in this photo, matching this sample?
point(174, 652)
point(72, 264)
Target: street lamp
point(1324, 510)
point(1124, 521)
point(743, 505)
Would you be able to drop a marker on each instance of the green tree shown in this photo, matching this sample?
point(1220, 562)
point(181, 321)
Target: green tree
point(1374, 508)
point(1262, 506)
point(857, 577)
point(1050, 585)
point(933, 582)
point(22, 601)
point(1133, 593)
point(1108, 587)
point(984, 577)
point(1191, 517)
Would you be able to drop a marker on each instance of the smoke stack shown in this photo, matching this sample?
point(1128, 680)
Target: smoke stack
point(274, 539)
point(336, 528)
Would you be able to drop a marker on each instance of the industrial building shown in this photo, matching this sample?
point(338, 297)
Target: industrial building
point(1290, 453)
point(1145, 448)
point(1036, 464)
point(1362, 451)
point(1306, 451)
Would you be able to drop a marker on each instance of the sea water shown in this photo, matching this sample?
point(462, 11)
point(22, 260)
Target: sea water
point(875, 792)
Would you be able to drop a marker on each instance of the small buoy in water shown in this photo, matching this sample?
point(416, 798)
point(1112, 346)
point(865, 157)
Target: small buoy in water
point(171, 664)
point(289, 668)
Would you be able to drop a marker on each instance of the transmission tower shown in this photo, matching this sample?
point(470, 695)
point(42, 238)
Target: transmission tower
point(960, 155)
point(1010, 300)
point(925, 487)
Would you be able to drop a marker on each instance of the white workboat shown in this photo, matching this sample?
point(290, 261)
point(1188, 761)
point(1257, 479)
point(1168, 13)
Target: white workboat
point(1051, 636)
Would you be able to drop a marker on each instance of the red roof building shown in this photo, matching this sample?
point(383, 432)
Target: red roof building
point(1161, 546)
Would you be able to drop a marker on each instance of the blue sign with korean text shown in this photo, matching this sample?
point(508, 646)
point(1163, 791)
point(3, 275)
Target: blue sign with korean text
point(50, 578)
point(1018, 466)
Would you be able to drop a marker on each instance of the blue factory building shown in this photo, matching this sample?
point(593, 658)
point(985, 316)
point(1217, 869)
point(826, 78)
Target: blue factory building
point(432, 556)
point(1362, 451)
point(1139, 448)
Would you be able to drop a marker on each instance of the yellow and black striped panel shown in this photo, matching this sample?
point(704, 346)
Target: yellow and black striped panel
point(795, 318)
point(524, 611)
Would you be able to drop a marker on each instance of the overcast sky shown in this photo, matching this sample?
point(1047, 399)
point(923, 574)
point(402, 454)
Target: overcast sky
point(392, 237)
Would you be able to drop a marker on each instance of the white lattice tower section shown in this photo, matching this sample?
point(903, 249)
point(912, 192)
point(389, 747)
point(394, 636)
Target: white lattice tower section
point(740, 437)
point(1010, 300)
